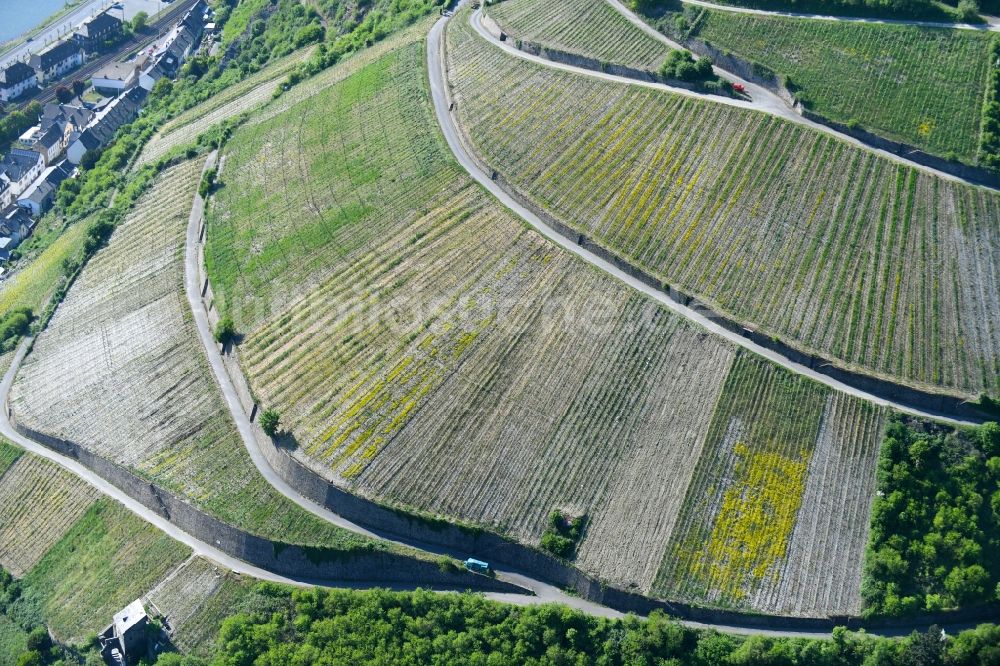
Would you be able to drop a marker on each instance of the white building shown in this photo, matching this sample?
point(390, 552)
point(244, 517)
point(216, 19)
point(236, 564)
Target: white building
point(15, 80)
point(52, 63)
point(115, 78)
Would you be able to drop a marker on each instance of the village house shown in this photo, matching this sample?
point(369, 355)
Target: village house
point(115, 78)
point(40, 196)
point(15, 80)
point(102, 129)
point(52, 63)
point(16, 224)
point(22, 167)
point(98, 29)
point(47, 143)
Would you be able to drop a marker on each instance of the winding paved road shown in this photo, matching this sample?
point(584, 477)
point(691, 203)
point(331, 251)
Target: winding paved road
point(761, 99)
point(452, 135)
point(543, 592)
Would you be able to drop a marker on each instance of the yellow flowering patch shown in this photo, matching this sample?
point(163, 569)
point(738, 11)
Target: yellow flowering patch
point(752, 528)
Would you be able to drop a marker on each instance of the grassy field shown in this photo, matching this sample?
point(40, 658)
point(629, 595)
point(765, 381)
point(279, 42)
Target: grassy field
point(38, 504)
point(830, 247)
point(922, 86)
point(256, 92)
point(32, 286)
point(587, 27)
point(238, 98)
point(80, 557)
point(427, 349)
point(123, 345)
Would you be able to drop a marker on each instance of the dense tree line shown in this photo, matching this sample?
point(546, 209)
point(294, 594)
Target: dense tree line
point(989, 137)
point(935, 530)
point(380, 627)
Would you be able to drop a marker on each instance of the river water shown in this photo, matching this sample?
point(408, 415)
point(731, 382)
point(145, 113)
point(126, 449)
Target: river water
point(17, 16)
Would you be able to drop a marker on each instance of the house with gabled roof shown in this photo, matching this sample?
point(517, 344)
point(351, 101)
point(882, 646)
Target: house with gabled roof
point(52, 63)
point(15, 80)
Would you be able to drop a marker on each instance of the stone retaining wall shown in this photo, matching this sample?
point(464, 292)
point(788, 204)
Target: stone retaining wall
point(351, 568)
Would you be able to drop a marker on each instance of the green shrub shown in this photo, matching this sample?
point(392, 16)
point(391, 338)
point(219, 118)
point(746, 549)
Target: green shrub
point(682, 66)
point(270, 421)
point(562, 534)
point(225, 330)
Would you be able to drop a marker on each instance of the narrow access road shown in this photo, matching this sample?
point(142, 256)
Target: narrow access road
point(990, 25)
point(761, 99)
point(448, 123)
point(193, 280)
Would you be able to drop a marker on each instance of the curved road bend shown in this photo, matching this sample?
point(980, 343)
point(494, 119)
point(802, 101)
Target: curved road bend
point(543, 592)
point(761, 99)
point(448, 127)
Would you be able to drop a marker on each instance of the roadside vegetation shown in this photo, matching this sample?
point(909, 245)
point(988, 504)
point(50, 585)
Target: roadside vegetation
point(382, 627)
point(936, 520)
point(989, 140)
point(837, 251)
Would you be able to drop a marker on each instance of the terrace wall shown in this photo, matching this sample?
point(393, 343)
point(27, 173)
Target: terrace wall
point(362, 566)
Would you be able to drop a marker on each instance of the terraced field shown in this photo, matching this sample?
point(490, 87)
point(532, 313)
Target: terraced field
point(792, 231)
point(39, 503)
point(197, 596)
point(66, 542)
point(122, 346)
point(106, 560)
point(779, 498)
point(453, 361)
point(590, 28)
point(922, 86)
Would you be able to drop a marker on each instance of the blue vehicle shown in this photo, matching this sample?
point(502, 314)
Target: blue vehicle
point(477, 566)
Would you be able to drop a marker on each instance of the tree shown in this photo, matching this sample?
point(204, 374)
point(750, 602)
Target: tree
point(90, 158)
point(38, 639)
point(926, 649)
point(270, 420)
point(30, 658)
point(78, 87)
point(968, 11)
point(64, 94)
point(225, 330)
point(139, 21)
point(967, 584)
